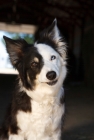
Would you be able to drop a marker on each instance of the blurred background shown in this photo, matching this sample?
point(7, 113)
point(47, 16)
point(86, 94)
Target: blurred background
point(75, 20)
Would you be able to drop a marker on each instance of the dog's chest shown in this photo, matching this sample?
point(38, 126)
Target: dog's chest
point(42, 122)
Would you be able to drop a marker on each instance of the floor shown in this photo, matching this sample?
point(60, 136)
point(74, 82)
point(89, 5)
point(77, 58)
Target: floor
point(79, 118)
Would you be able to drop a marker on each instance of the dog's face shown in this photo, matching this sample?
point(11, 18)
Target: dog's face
point(42, 63)
point(52, 65)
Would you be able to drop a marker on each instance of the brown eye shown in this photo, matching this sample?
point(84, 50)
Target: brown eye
point(34, 64)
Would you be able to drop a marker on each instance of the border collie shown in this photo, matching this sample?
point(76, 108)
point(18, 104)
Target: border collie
point(37, 108)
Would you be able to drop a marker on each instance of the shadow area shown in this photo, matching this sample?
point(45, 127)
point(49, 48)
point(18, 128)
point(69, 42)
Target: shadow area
point(84, 132)
point(7, 84)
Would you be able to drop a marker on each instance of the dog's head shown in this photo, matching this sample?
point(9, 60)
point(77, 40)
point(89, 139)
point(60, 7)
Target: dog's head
point(44, 62)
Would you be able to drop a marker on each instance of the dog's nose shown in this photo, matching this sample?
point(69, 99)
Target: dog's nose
point(51, 75)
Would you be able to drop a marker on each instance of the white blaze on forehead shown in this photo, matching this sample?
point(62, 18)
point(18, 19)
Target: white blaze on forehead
point(45, 50)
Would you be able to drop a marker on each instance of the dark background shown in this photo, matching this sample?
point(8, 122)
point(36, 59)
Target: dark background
point(76, 23)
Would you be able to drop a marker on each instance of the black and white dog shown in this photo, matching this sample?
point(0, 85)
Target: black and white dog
point(37, 107)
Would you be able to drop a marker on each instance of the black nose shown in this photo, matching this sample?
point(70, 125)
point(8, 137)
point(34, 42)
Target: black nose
point(51, 75)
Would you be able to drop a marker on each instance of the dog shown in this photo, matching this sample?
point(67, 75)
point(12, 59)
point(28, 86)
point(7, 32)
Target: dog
point(37, 108)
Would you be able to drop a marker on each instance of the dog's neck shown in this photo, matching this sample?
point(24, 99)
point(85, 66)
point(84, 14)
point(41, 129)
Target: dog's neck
point(46, 98)
point(43, 94)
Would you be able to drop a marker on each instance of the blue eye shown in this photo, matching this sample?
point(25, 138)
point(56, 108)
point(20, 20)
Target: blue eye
point(53, 57)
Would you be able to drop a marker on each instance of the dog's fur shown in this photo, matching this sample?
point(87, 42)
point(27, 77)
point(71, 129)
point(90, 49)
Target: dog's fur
point(37, 108)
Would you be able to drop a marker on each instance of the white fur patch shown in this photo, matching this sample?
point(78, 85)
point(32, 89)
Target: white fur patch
point(16, 137)
point(43, 123)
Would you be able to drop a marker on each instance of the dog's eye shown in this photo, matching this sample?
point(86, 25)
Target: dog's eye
point(53, 57)
point(34, 64)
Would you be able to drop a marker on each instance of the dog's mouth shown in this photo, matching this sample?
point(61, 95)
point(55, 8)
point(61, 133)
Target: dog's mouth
point(52, 83)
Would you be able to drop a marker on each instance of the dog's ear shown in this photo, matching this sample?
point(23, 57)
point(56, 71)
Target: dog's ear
point(16, 49)
point(57, 38)
point(53, 33)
